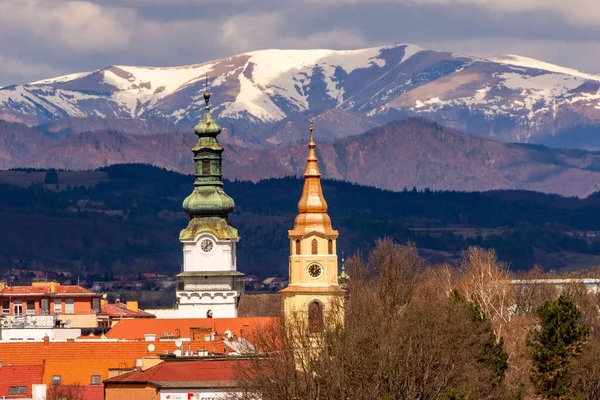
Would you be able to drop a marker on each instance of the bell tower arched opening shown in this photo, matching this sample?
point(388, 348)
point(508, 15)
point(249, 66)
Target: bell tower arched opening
point(315, 317)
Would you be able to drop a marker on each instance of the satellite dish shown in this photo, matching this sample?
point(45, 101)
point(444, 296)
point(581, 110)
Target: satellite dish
point(178, 342)
point(177, 353)
point(151, 347)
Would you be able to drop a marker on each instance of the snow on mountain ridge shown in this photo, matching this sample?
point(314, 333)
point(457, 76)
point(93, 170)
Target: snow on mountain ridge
point(518, 94)
point(140, 88)
point(520, 61)
point(62, 78)
point(287, 72)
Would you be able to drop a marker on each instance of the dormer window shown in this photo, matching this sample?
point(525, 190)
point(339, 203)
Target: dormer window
point(17, 390)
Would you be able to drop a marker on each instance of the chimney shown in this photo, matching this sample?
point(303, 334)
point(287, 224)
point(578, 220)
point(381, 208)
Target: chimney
point(46, 340)
point(118, 301)
point(132, 305)
point(2, 285)
point(103, 302)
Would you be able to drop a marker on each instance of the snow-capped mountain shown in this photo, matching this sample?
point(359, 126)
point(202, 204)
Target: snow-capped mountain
point(506, 96)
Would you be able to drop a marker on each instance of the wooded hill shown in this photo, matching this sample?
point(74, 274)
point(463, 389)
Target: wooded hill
point(127, 218)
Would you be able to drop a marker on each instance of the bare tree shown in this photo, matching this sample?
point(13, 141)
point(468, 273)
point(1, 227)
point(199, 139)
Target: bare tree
point(485, 281)
point(586, 372)
point(402, 338)
point(532, 291)
point(65, 392)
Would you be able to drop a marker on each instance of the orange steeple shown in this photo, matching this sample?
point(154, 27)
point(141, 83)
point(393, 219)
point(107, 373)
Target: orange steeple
point(312, 207)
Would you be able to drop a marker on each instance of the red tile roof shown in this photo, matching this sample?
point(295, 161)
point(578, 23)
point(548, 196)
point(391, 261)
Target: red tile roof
point(19, 375)
point(34, 353)
point(25, 290)
point(136, 328)
point(120, 310)
point(79, 371)
point(182, 373)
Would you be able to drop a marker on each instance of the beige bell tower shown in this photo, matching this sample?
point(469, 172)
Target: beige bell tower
point(313, 263)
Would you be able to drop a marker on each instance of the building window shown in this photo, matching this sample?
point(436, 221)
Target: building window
point(45, 306)
point(70, 306)
point(314, 246)
point(205, 167)
point(5, 306)
point(96, 305)
point(17, 390)
point(315, 317)
point(30, 307)
point(55, 380)
point(96, 380)
point(330, 246)
point(57, 306)
point(18, 307)
point(298, 247)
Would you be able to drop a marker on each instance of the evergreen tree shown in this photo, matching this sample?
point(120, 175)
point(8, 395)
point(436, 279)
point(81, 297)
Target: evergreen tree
point(554, 346)
point(51, 177)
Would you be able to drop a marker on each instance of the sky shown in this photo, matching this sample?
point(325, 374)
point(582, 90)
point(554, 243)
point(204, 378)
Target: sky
point(47, 38)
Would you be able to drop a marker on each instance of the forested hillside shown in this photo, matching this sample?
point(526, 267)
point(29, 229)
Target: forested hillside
point(128, 217)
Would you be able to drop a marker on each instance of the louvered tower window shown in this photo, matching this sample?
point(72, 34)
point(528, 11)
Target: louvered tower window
point(205, 167)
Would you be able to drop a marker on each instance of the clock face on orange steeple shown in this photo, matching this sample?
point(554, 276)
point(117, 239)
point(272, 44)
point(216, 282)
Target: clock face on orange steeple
point(315, 270)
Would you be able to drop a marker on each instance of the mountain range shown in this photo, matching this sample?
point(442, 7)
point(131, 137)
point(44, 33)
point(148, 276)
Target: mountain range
point(507, 97)
point(397, 155)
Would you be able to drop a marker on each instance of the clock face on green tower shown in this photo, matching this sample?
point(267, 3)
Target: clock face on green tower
point(314, 270)
point(206, 245)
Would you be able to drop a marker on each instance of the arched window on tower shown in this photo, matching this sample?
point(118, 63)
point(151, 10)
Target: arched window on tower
point(205, 167)
point(298, 248)
point(314, 246)
point(315, 317)
point(330, 246)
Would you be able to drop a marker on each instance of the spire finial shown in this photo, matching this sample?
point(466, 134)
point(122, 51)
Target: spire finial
point(206, 93)
point(312, 130)
point(343, 278)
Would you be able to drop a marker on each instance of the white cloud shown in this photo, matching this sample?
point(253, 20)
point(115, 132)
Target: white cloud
point(575, 11)
point(249, 32)
point(79, 25)
point(19, 70)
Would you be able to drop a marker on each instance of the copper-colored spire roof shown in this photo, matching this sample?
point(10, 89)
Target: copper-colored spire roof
point(312, 207)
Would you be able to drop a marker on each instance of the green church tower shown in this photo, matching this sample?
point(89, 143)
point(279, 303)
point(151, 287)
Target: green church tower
point(209, 285)
point(208, 206)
